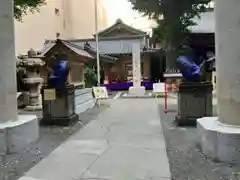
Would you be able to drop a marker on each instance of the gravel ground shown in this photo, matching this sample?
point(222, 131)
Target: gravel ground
point(14, 165)
point(186, 160)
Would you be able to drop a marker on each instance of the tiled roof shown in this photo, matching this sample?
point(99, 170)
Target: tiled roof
point(47, 47)
point(109, 46)
point(77, 49)
point(105, 57)
point(74, 47)
point(113, 46)
point(120, 23)
point(89, 52)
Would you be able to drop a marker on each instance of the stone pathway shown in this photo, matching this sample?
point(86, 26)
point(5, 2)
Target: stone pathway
point(125, 142)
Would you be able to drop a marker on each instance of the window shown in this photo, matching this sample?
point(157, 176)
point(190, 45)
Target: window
point(128, 69)
point(57, 12)
point(58, 35)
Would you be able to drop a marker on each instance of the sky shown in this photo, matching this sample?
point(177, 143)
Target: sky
point(122, 9)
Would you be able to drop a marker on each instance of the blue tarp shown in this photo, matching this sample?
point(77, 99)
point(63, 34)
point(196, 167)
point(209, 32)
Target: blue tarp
point(189, 69)
point(60, 74)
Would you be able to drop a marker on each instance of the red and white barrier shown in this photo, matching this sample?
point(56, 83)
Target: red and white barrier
point(168, 88)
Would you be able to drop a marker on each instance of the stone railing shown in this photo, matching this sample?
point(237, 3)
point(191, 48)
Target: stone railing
point(83, 100)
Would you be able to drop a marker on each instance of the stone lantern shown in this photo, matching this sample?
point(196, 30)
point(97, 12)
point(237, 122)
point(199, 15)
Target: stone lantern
point(32, 63)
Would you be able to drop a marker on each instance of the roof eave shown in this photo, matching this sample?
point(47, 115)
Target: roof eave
point(103, 57)
point(119, 21)
point(69, 45)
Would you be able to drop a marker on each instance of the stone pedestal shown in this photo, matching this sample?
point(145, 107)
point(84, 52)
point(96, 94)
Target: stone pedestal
point(16, 135)
point(84, 100)
point(60, 109)
point(219, 141)
point(16, 132)
point(34, 100)
point(137, 90)
point(189, 94)
point(219, 137)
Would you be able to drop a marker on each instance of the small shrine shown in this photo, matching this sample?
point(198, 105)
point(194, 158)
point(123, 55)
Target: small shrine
point(77, 57)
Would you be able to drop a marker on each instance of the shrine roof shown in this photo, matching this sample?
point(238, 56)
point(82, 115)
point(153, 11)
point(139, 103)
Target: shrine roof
point(119, 26)
point(75, 48)
point(80, 49)
point(93, 51)
point(114, 45)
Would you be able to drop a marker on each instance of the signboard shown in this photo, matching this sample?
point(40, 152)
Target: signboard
point(49, 94)
point(100, 92)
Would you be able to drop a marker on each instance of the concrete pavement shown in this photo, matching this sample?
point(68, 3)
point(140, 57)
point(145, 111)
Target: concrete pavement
point(125, 142)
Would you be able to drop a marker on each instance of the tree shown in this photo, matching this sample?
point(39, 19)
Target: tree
point(173, 18)
point(21, 7)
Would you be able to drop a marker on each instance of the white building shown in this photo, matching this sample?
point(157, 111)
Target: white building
point(69, 19)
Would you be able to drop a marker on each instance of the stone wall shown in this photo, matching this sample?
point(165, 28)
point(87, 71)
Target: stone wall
point(83, 100)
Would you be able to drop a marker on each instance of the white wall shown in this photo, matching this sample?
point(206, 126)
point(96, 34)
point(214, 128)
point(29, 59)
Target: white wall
point(37, 27)
point(83, 14)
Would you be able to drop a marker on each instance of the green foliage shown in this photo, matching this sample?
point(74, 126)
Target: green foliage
point(21, 7)
point(90, 76)
point(173, 18)
point(172, 14)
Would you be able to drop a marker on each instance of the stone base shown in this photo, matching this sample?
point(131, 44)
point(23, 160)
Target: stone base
point(60, 121)
point(83, 100)
point(127, 96)
point(219, 141)
point(80, 108)
point(16, 135)
point(33, 108)
point(137, 91)
point(22, 99)
point(186, 121)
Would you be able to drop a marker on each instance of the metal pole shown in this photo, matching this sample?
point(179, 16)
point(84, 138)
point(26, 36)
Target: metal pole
point(97, 41)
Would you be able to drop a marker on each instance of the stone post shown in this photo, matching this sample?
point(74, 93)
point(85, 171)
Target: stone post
point(137, 89)
point(136, 65)
point(227, 61)
point(220, 136)
point(8, 100)
point(15, 131)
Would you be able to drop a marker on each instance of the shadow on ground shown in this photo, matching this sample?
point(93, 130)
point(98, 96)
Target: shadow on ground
point(186, 160)
point(14, 165)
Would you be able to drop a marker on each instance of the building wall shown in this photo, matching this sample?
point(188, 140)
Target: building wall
point(71, 18)
point(86, 22)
